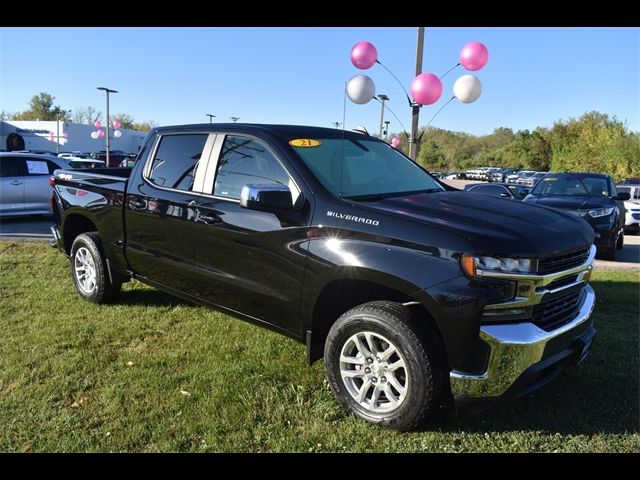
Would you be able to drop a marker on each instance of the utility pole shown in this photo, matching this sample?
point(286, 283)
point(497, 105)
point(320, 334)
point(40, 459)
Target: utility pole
point(108, 91)
point(336, 124)
point(383, 98)
point(413, 141)
point(210, 117)
point(386, 130)
point(234, 119)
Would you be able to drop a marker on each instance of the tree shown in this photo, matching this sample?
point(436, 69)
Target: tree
point(143, 126)
point(41, 108)
point(87, 115)
point(126, 121)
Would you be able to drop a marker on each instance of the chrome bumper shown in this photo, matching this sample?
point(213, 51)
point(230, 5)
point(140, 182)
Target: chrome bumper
point(515, 347)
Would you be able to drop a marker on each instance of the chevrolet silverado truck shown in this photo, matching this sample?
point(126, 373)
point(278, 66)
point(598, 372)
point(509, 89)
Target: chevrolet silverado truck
point(417, 295)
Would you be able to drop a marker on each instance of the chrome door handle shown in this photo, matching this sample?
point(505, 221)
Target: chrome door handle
point(16, 182)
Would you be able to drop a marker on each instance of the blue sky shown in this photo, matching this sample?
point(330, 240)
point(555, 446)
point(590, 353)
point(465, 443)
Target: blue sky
point(296, 75)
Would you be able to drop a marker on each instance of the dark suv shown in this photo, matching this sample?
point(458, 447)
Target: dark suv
point(593, 197)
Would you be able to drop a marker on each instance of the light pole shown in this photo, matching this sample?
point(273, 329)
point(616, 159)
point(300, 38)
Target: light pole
point(210, 117)
point(386, 130)
point(57, 111)
point(415, 108)
point(108, 91)
point(383, 98)
point(234, 119)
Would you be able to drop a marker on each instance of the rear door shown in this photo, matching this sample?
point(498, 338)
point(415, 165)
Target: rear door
point(37, 191)
point(159, 213)
point(12, 173)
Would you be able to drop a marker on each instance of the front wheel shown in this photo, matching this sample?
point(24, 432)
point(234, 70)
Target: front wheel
point(386, 367)
point(89, 270)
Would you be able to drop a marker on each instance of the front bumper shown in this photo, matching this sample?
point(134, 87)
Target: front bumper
point(523, 356)
point(517, 348)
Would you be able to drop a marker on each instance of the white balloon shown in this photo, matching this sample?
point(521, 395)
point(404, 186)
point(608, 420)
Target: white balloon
point(361, 89)
point(467, 89)
point(117, 134)
point(94, 135)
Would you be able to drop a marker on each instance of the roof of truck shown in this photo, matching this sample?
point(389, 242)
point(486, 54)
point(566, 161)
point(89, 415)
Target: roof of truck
point(279, 130)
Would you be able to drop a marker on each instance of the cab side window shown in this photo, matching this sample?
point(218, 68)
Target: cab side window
point(243, 161)
point(12, 167)
point(176, 161)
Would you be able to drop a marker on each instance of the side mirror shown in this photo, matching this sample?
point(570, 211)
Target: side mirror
point(266, 197)
point(623, 196)
point(504, 195)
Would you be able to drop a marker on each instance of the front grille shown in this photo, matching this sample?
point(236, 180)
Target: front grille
point(561, 282)
point(562, 262)
point(559, 311)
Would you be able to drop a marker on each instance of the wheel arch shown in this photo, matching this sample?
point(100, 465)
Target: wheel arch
point(341, 295)
point(75, 224)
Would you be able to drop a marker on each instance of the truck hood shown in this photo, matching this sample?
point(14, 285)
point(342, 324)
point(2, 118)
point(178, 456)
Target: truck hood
point(494, 226)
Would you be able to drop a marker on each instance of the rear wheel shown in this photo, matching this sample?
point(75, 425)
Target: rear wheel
point(89, 270)
point(385, 367)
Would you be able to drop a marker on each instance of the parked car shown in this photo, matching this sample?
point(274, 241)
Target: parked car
point(503, 190)
point(500, 175)
point(115, 157)
point(530, 181)
point(631, 181)
point(415, 293)
point(24, 183)
point(593, 197)
point(75, 162)
point(633, 189)
point(632, 218)
point(513, 178)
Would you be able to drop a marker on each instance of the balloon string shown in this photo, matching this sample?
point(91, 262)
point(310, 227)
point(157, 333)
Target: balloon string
point(344, 115)
point(452, 68)
point(434, 116)
point(399, 82)
point(391, 111)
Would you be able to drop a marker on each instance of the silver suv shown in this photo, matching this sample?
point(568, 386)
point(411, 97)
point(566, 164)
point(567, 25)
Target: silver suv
point(24, 182)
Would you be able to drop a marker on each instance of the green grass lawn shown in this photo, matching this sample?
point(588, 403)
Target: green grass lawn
point(153, 373)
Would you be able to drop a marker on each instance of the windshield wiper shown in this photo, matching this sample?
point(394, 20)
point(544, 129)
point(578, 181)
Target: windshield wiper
point(374, 197)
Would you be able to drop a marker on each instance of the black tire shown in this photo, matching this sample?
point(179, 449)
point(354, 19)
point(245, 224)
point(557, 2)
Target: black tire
point(418, 345)
point(89, 246)
point(620, 243)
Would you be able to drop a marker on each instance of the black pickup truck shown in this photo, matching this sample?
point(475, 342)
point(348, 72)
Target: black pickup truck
point(416, 294)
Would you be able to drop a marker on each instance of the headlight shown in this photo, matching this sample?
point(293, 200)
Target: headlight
point(601, 212)
point(508, 265)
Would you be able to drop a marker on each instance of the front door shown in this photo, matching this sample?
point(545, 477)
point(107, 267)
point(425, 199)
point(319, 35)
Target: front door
point(250, 261)
point(12, 173)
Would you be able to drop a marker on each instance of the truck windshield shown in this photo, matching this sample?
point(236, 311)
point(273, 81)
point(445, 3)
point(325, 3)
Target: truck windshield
point(364, 169)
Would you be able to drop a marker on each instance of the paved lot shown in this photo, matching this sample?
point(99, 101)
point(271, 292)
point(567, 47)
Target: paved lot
point(37, 229)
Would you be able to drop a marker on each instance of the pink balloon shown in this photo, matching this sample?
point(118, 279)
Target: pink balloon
point(100, 133)
point(98, 124)
point(474, 56)
point(65, 135)
point(426, 88)
point(395, 141)
point(363, 55)
point(116, 124)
